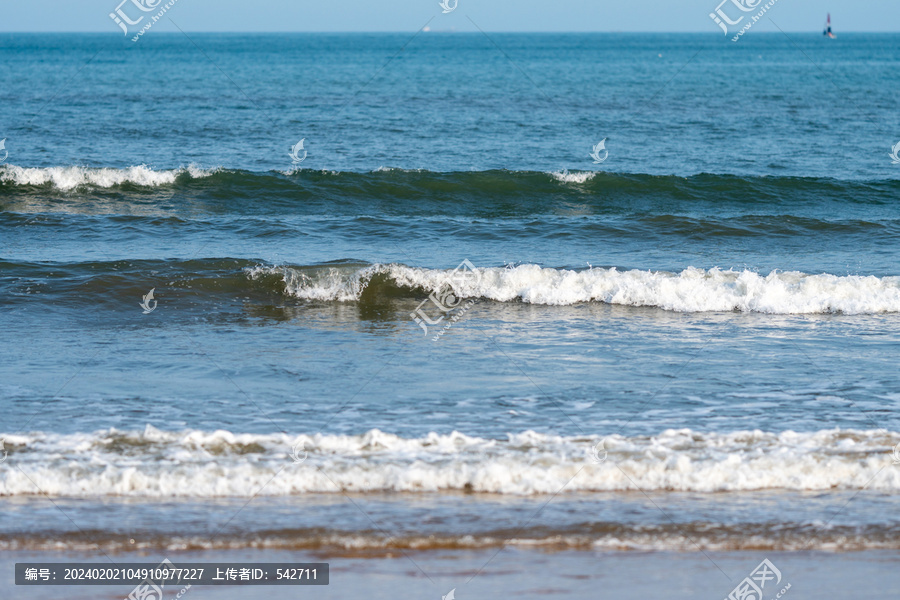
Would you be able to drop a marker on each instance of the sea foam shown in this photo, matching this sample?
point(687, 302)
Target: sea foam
point(192, 463)
point(691, 290)
point(566, 176)
point(69, 178)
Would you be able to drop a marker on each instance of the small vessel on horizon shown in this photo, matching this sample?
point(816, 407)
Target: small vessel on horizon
point(827, 31)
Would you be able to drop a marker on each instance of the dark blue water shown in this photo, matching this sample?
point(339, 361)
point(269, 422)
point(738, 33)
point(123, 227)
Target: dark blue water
point(708, 315)
point(667, 104)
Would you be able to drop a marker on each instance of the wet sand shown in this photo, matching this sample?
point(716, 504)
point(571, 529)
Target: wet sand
point(513, 573)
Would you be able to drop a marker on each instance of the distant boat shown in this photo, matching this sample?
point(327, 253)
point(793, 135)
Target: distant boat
point(827, 31)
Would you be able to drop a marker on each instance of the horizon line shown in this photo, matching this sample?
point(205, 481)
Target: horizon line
point(406, 31)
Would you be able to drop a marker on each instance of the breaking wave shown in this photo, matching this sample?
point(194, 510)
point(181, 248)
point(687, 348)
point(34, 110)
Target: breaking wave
point(691, 290)
point(70, 178)
point(192, 463)
point(350, 281)
point(574, 176)
point(497, 193)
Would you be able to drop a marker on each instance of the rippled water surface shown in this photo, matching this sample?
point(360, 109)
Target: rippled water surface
point(689, 346)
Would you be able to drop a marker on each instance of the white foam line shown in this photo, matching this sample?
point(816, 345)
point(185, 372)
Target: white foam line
point(691, 290)
point(68, 178)
point(154, 463)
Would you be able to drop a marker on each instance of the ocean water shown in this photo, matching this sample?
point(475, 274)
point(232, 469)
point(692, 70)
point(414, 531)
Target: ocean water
point(473, 338)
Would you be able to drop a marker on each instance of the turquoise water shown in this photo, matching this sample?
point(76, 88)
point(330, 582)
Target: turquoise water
point(712, 309)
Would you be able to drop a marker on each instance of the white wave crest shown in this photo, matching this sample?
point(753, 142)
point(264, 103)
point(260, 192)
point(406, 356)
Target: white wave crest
point(193, 463)
point(565, 176)
point(691, 290)
point(69, 178)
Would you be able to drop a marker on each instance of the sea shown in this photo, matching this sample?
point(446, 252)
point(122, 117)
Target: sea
point(528, 315)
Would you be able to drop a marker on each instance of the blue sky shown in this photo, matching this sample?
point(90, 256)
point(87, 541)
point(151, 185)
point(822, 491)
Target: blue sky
point(410, 15)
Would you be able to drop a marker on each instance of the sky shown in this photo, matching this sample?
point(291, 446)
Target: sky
point(410, 15)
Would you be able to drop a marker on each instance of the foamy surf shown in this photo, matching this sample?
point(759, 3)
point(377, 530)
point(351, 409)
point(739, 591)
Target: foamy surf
point(69, 178)
point(192, 463)
point(566, 176)
point(691, 290)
